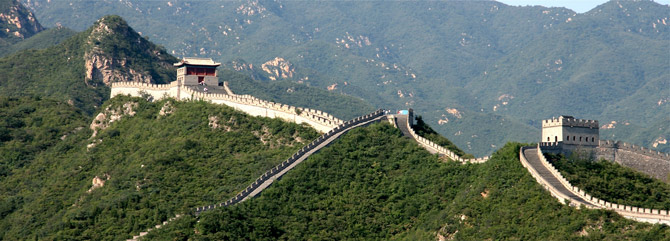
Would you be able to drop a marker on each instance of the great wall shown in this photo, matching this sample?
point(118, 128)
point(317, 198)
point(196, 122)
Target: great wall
point(531, 158)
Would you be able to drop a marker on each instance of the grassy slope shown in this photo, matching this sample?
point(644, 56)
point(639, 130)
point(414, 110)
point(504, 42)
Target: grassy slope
point(157, 166)
point(375, 184)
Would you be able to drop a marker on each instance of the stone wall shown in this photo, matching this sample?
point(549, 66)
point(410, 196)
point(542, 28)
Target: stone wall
point(280, 169)
point(440, 149)
point(637, 213)
point(319, 120)
point(653, 163)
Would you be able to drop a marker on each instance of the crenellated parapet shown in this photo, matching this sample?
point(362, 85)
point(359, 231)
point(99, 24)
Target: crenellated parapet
point(141, 85)
point(318, 119)
point(578, 196)
point(571, 122)
point(274, 173)
point(317, 116)
point(440, 149)
point(634, 148)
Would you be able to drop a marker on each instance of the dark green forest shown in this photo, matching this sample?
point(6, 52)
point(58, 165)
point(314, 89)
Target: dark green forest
point(158, 159)
point(375, 184)
point(504, 68)
point(156, 165)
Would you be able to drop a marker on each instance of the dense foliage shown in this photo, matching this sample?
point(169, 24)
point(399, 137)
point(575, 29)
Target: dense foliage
point(41, 40)
point(374, 184)
point(612, 182)
point(503, 68)
point(427, 132)
point(29, 126)
point(154, 166)
point(17, 23)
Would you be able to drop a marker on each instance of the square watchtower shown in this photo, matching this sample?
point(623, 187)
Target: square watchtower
point(197, 71)
point(571, 132)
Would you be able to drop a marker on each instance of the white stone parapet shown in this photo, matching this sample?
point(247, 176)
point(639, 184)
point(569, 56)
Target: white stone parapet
point(440, 149)
point(320, 120)
point(640, 214)
point(572, 122)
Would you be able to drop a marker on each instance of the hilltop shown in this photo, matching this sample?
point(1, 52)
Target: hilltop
point(80, 69)
point(16, 22)
point(375, 184)
point(481, 73)
point(150, 160)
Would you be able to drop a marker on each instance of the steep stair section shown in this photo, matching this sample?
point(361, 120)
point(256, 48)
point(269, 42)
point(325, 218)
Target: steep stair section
point(275, 173)
point(552, 180)
point(532, 161)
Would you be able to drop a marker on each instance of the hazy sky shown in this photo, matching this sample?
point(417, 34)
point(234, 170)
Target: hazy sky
point(579, 6)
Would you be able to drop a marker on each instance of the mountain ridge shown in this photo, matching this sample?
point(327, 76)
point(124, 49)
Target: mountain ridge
point(463, 55)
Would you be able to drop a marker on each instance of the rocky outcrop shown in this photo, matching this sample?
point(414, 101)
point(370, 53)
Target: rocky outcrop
point(98, 182)
point(108, 70)
point(111, 114)
point(17, 23)
point(278, 68)
point(116, 53)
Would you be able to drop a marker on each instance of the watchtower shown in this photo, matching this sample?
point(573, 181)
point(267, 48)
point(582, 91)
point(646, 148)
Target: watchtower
point(197, 71)
point(571, 132)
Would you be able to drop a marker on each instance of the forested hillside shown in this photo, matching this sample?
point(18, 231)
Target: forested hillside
point(481, 73)
point(375, 184)
point(79, 69)
point(156, 160)
point(16, 22)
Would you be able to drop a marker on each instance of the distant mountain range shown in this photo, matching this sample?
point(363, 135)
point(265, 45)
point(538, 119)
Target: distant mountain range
point(481, 72)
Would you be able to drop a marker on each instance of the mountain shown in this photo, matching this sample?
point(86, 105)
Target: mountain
point(16, 23)
point(78, 69)
point(501, 68)
point(146, 162)
point(374, 184)
point(41, 40)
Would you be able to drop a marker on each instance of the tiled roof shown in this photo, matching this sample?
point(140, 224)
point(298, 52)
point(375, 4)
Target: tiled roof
point(197, 61)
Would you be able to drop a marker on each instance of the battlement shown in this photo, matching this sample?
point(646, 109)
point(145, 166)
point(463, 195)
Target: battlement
point(143, 85)
point(571, 122)
point(634, 148)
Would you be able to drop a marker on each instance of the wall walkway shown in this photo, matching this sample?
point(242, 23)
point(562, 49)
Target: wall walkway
point(531, 157)
point(276, 172)
point(552, 180)
point(319, 120)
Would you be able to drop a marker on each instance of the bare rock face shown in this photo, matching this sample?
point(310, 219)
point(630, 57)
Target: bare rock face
point(98, 182)
point(278, 68)
point(109, 115)
point(17, 23)
point(101, 65)
point(167, 109)
point(108, 70)
point(115, 53)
